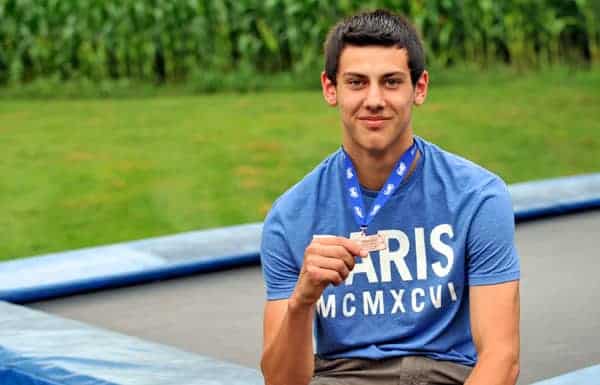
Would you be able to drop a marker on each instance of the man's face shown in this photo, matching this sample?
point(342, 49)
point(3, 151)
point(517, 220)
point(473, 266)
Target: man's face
point(375, 96)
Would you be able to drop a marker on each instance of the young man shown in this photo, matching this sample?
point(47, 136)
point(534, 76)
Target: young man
point(401, 255)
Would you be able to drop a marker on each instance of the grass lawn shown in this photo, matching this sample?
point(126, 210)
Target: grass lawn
point(79, 173)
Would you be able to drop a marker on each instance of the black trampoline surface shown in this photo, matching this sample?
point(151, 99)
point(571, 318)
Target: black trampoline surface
point(220, 314)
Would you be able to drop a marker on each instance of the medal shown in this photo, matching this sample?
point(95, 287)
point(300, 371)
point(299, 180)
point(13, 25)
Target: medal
point(373, 242)
point(353, 192)
point(369, 243)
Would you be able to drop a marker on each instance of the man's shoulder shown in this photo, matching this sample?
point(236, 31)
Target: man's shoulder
point(456, 169)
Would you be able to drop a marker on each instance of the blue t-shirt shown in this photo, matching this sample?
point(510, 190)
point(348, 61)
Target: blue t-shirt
point(449, 226)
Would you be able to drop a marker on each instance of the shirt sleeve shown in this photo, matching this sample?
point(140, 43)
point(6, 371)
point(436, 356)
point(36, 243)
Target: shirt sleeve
point(491, 252)
point(280, 271)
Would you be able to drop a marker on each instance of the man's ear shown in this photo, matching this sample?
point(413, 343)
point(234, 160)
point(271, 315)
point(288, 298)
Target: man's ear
point(421, 88)
point(329, 90)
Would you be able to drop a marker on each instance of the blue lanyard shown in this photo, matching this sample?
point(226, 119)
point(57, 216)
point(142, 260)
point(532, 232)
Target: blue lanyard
point(354, 194)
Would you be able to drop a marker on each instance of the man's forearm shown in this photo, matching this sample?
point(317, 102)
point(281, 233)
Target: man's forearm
point(288, 360)
point(495, 369)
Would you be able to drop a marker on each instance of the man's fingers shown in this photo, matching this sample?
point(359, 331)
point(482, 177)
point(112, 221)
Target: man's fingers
point(329, 260)
point(323, 277)
point(335, 264)
point(332, 251)
point(352, 246)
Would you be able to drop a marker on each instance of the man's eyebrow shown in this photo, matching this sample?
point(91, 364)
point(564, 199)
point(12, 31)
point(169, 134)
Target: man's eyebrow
point(396, 73)
point(354, 74)
point(386, 75)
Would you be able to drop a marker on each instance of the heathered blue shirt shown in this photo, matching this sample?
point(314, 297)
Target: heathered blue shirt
point(449, 226)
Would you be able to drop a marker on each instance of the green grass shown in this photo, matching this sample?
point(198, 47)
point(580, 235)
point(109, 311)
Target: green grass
point(79, 173)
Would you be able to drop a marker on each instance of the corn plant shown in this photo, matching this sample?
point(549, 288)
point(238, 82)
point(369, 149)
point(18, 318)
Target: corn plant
point(169, 40)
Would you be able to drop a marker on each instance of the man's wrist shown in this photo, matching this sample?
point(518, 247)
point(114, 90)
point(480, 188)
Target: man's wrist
point(296, 304)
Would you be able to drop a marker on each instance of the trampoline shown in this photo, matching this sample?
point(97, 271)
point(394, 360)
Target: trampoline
point(219, 314)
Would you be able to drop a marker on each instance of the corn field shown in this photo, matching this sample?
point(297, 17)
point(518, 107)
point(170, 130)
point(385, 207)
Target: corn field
point(170, 40)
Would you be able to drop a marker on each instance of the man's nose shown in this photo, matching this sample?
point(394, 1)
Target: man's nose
point(374, 100)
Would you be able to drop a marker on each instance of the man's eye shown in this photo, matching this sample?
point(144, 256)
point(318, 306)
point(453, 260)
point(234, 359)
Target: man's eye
point(392, 82)
point(356, 83)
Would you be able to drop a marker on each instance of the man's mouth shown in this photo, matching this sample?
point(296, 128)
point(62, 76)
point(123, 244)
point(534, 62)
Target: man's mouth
point(374, 121)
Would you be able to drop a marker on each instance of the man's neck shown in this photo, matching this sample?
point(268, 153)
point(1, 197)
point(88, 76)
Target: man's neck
point(374, 169)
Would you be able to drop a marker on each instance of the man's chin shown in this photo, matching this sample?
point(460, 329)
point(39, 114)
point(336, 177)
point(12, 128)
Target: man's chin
point(373, 142)
point(376, 147)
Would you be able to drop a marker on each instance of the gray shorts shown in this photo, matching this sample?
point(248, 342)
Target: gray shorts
point(411, 370)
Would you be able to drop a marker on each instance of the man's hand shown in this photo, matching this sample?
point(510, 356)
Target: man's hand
point(287, 341)
point(327, 260)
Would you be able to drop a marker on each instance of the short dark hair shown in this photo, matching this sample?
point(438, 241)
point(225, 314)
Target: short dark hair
point(379, 27)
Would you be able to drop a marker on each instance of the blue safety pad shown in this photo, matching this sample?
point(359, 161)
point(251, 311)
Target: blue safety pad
point(39, 349)
point(537, 199)
point(587, 376)
point(59, 274)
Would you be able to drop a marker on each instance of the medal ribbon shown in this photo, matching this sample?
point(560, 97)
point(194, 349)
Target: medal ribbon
point(354, 193)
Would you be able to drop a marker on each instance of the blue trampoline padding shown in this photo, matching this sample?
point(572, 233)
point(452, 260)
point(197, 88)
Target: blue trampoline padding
point(59, 274)
point(532, 200)
point(587, 376)
point(40, 349)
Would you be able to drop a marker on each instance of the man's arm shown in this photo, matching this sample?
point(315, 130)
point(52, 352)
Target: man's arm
point(287, 357)
point(495, 327)
point(287, 343)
